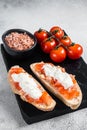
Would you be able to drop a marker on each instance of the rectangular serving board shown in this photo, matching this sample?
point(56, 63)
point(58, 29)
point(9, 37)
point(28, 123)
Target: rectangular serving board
point(77, 67)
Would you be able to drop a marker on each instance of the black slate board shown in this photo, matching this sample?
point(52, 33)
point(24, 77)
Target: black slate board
point(76, 67)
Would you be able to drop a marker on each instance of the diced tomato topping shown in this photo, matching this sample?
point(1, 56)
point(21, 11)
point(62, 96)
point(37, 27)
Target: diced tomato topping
point(68, 93)
point(45, 98)
point(17, 86)
point(16, 70)
point(30, 99)
point(38, 67)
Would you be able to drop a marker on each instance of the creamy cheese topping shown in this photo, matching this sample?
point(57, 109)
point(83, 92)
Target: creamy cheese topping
point(62, 77)
point(27, 84)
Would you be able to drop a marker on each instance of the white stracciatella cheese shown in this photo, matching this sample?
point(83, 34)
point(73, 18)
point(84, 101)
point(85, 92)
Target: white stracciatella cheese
point(27, 84)
point(62, 77)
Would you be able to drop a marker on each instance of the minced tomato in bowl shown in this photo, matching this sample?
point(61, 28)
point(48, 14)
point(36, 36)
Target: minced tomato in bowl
point(19, 43)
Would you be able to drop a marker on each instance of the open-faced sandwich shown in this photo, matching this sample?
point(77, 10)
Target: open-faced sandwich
point(62, 84)
point(29, 89)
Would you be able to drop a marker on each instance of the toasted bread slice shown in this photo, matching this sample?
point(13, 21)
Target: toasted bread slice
point(29, 89)
point(63, 85)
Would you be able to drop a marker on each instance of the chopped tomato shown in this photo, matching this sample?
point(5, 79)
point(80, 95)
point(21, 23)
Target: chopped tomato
point(67, 93)
point(29, 99)
point(16, 70)
point(17, 86)
point(39, 66)
point(45, 98)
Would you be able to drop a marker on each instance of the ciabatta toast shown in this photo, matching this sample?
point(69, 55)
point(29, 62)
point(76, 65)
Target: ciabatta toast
point(63, 85)
point(29, 89)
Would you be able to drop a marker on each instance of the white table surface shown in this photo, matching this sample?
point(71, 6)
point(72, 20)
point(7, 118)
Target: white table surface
point(31, 15)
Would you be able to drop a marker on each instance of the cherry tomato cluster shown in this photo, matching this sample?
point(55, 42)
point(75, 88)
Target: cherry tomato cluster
point(57, 44)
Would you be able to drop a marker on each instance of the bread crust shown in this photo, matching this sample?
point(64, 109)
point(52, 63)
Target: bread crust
point(40, 106)
point(73, 104)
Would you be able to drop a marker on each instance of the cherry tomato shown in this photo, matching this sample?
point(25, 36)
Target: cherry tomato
point(57, 31)
point(75, 51)
point(48, 44)
point(58, 54)
point(65, 40)
point(41, 34)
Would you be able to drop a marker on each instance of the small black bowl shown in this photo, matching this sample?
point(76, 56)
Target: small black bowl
point(19, 54)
